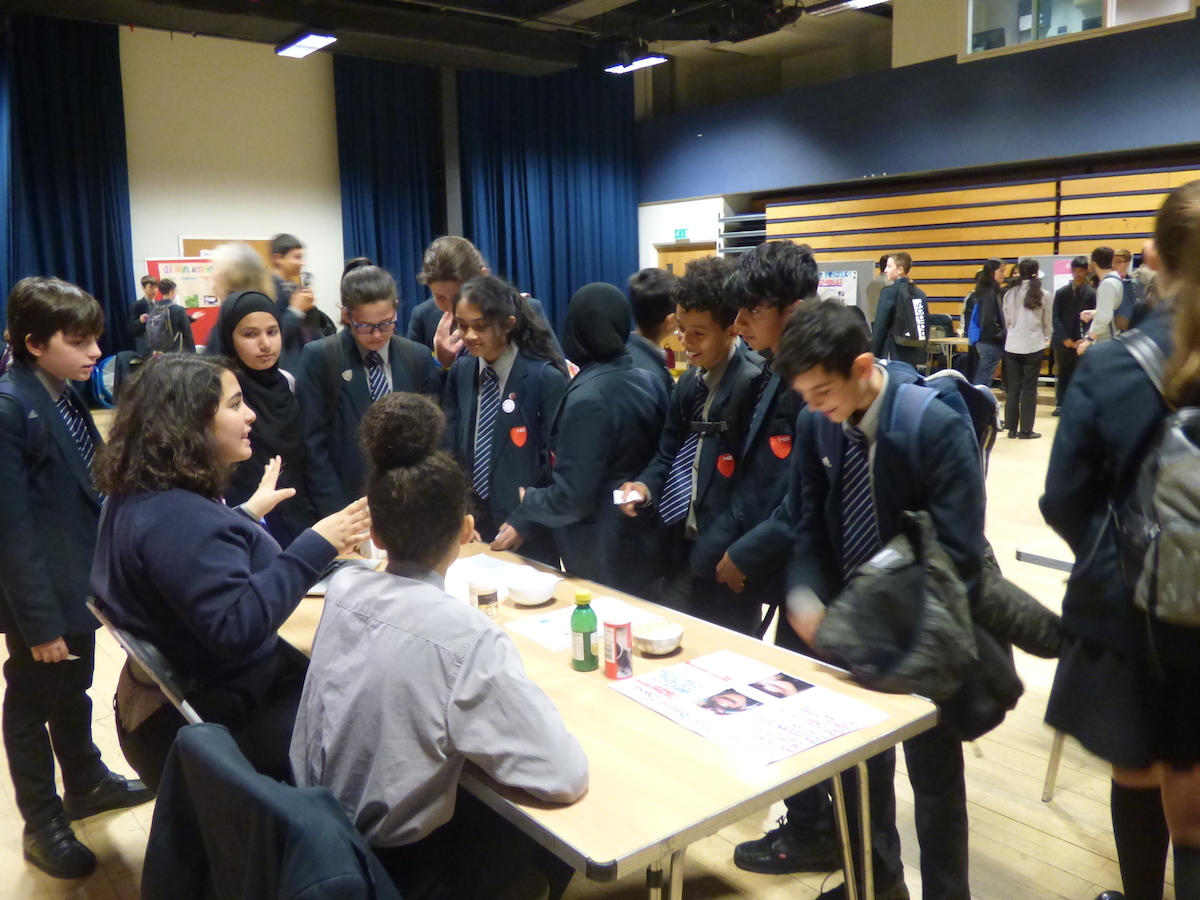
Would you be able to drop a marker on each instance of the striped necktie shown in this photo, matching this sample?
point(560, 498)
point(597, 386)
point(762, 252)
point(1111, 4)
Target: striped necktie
point(375, 377)
point(489, 406)
point(860, 539)
point(677, 494)
point(78, 428)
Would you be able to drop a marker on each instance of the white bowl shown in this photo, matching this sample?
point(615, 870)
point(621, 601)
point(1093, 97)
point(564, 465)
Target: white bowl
point(657, 638)
point(530, 587)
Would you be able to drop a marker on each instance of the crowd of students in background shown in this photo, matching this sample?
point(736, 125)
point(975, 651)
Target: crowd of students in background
point(762, 479)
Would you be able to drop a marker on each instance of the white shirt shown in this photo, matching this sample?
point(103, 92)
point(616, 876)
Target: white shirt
point(1028, 329)
point(406, 684)
point(502, 367)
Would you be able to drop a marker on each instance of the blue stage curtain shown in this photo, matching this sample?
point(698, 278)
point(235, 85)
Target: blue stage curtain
point(549, 179)
point(389, 135)
point(70, 178)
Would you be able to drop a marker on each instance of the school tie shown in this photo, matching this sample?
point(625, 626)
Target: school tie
point(677, 494)
point(489, 406)
point(78, 428)
point(375, 377)
point(859, 537)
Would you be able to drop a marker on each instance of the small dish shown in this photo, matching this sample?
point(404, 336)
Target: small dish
point(657, 638)
point(529, 587)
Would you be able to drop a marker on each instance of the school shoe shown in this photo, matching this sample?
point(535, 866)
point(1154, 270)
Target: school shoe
point(1027, 435)
point(1012, 434)
point(1110, 895)
point(113, 792)
point(785, 849)
point(892, 892)
point(55, 850)
point(1057, 411)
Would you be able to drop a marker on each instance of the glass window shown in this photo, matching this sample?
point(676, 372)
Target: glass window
point(992, 24)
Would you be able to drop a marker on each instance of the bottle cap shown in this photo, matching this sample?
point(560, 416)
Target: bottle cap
point(583, 597)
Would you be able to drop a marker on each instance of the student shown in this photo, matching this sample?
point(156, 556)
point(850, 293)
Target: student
point(249, 326)
point(983, 323)
point(875, 288)
point(606, 431)
point(406, 684)
point(1069, 301)
point(449, 263)
point(295, 299)
point(343, 374)
point(654, 315)
point(899, 303)
point(1126, 687)
point(239, 267)
point(173, 334)
point(149, 289)
point(849, 488)
point(48, 514)
point(689, 482)
point(202, 581)
point(1028, 317)
point(1109, 293)
point(512, 381)
point(768, 284)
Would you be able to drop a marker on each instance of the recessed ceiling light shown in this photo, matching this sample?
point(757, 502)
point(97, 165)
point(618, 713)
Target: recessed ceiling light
point(304, 44)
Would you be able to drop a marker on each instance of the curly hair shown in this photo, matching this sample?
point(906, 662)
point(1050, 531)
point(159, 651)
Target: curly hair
point(702, 289)
point(161, 436)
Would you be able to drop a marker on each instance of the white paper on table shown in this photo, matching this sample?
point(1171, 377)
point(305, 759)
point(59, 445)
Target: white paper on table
point(553, 630)
point(758, 725)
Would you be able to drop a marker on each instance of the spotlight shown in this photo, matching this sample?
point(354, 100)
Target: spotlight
point(304, 43)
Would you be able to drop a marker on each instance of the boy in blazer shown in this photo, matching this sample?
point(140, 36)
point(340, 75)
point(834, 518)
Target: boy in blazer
point(690, 481)
point(49, 510)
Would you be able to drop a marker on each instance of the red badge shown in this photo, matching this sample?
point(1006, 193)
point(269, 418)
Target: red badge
point(725, 464)
point(552, 459)
point(518, 435)
point(781, 445)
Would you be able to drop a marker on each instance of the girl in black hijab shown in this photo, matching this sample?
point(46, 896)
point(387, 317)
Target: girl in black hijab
point(605, 433)
point(249, 330)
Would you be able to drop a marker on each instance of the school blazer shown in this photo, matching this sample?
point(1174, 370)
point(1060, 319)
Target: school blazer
point(606, 431)
point(519, 455)
point(49, 510)
point(336, 471)
point(650, 358)
point(721, 455)
point(947, 481)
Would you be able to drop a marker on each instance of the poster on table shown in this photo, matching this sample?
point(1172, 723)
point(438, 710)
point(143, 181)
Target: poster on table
point(839, 286)
point(193, 277)
point(751, 708)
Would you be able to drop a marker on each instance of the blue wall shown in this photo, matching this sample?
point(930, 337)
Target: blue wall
point(1037, 105)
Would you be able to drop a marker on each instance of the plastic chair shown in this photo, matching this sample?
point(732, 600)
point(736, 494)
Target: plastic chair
point(149, 660)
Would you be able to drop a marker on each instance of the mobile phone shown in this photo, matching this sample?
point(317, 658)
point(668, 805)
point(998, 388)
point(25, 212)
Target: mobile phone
point(306, 279)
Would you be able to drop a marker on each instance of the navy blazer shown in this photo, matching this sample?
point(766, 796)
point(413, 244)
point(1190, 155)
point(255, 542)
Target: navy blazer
point(336, 469)
point(606, 431)
point(425, 317)
point(733, 403)
point(647, 356)
point(519, 438)
point(947, 481)
point(49, 511)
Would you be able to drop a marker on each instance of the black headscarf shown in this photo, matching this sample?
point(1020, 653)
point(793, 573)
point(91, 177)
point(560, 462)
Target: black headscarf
point(597, 325)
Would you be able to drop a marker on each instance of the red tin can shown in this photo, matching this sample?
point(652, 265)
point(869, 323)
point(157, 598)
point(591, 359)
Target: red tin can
point(618, 648)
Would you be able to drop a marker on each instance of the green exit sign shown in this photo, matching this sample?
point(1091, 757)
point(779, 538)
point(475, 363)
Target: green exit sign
point(681, 234)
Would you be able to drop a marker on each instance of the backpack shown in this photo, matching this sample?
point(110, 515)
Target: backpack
point(1158, 523)
point(974, 402)
point(160, 336)
point(1129, 301)
point(910, 327)
point(974, 329)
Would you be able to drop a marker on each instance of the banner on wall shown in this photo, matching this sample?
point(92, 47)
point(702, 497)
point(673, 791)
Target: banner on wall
point(839, 286)
point(193, 277)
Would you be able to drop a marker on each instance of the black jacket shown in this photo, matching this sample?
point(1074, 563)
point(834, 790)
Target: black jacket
point(649, 357)
point(221, 829)
point(49, 511)
point(1069, 302)
point(992, 329)
point(882, 343)
point(180, 325)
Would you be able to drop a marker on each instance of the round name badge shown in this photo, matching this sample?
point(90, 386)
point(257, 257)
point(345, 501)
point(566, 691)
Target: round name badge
point(508, 405)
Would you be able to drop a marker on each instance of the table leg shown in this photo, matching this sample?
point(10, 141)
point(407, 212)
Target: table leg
point(654, 879)
point(666, 873)
point(864, 812)
point(675, 885)
point(843, 830)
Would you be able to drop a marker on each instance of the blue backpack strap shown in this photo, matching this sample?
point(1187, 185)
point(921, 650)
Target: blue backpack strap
point(908, 408)
point(35, 430)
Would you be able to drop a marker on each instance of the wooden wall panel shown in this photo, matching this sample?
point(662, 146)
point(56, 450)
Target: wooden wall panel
point(1141, 181)
point(1008, 193)
point(1139, 203)
point(1106, 226)
point(961, 215)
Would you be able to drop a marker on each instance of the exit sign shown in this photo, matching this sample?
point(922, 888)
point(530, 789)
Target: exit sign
point(681, 234)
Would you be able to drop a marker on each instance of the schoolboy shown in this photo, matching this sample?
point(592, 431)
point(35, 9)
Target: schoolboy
point(139, 313)
point(49, 512)
point(689, 482)
point(768, 284)
point(654, 316)
point(292, 298)
point(853, 477)
point(901, 292)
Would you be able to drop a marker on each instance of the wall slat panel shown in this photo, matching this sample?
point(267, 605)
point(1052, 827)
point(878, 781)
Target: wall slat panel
point(1009, 193)
point(1000, 214)
point(1113, 184)
point(1092, 227)
point(1139, 203)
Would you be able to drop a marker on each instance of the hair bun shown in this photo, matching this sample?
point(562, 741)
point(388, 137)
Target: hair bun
point(356, 263)
point(401, 430)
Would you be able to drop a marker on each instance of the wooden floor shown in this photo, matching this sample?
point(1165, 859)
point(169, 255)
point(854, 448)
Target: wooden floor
point(1020, 847)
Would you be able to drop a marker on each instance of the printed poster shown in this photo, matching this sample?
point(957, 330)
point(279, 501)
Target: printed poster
point(840, 286)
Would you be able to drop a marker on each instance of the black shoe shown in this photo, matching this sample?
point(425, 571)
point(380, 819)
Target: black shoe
point(1012, 434)
point(113, 792)
point(894, 892)
point(787, 849)
point(1110, 895)
point(56, 851)
point(1027, 435)
point(1057, 411)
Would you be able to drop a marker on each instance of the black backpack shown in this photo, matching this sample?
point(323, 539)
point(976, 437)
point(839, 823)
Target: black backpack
point(160, 335)
point(910, 325)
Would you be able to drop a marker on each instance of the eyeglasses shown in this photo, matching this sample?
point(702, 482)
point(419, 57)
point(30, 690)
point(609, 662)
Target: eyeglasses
point(368, 328)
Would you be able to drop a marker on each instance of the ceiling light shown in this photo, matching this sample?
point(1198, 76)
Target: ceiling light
point(303, 44)
point(641, 62)
point(842, 7)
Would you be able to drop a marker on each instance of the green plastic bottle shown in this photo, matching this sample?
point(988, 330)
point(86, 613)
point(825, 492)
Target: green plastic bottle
point(583, 627)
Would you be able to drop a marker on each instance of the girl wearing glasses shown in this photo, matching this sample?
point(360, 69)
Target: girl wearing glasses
point(511, 385)
point(343, 374)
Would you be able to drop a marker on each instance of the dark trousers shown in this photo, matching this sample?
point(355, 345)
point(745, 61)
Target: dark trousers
point(474, 856)
point(1066, 359)
point(703, 597)
point(1020, 385)
point(48, 715)
point(258, 707)
point(935, 771)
